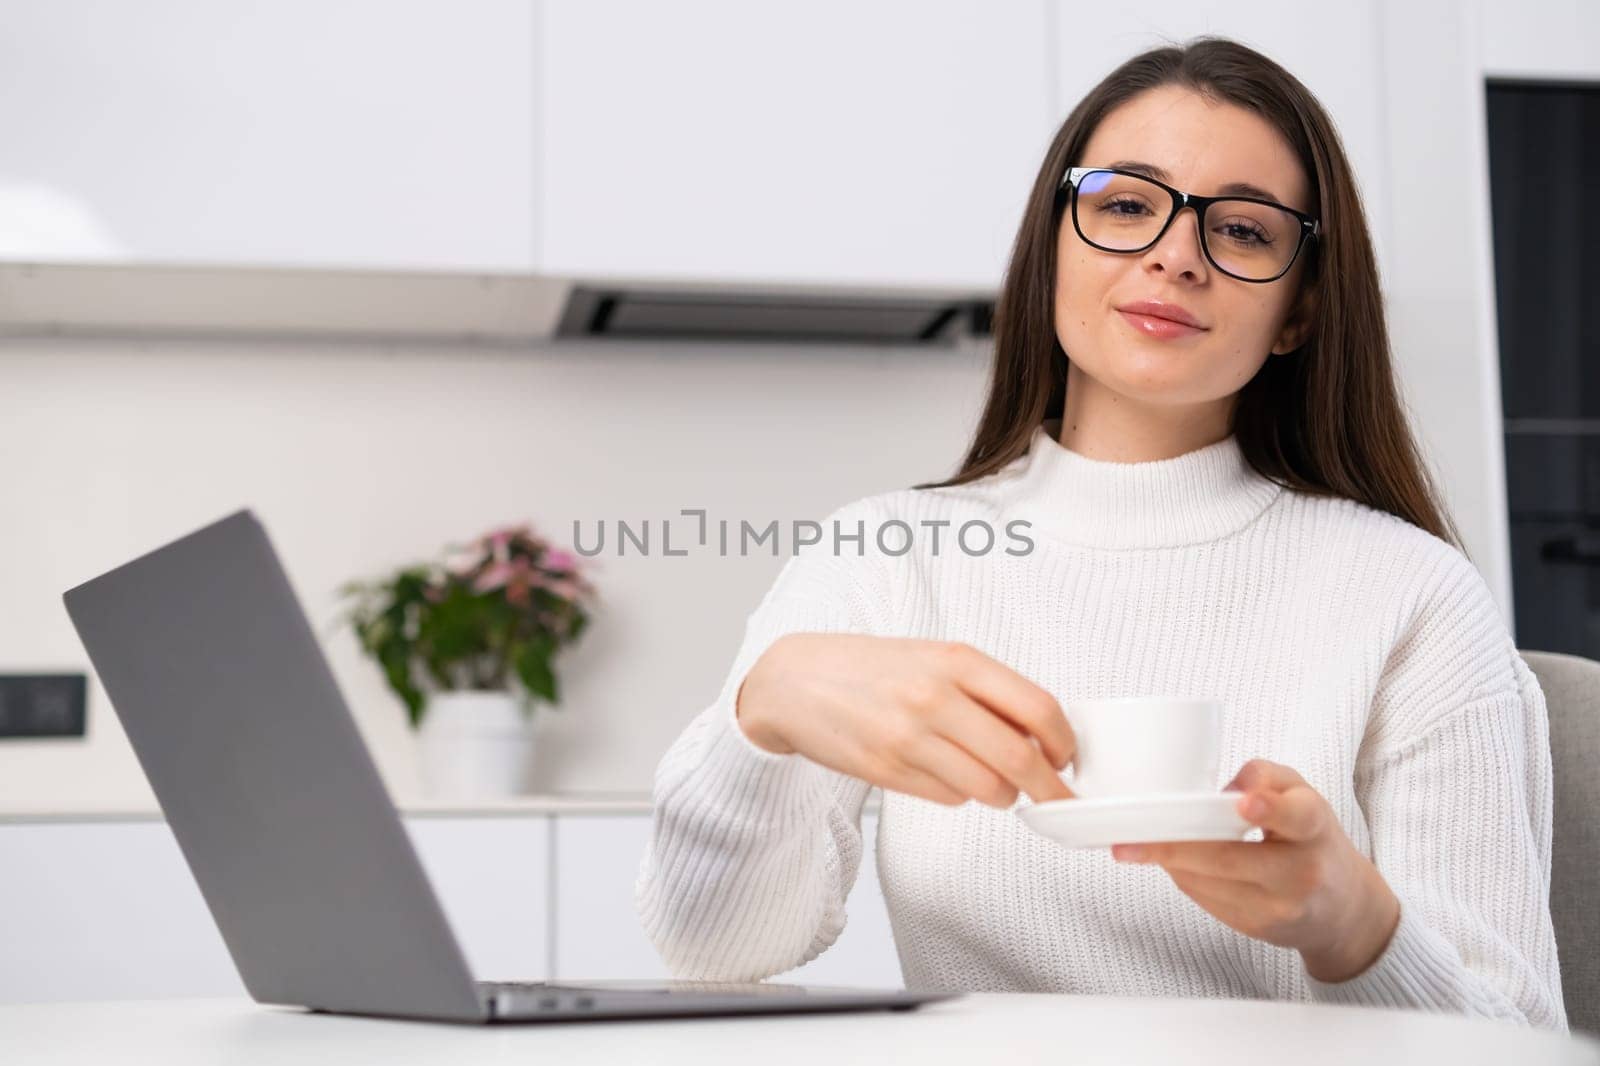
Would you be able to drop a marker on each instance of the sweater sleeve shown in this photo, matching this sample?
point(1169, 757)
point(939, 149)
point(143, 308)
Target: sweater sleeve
point(1454, 777)
point(752, 854)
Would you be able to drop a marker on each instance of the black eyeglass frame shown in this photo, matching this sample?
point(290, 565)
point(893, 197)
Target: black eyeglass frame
point(1310, 227)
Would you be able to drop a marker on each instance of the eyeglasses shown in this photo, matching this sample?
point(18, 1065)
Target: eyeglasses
point(1245, 238)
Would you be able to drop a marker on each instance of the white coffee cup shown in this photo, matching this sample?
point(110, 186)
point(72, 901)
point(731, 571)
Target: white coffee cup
point(1143, 745)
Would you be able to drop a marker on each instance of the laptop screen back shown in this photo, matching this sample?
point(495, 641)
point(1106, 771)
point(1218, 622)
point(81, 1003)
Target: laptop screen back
point(237, 721)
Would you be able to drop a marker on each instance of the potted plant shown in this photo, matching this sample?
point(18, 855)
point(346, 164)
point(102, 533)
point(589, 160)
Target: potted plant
point(468, 644)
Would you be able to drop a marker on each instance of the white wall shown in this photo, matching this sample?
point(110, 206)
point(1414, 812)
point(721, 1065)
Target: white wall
point(360, 459)
point(1439, 272)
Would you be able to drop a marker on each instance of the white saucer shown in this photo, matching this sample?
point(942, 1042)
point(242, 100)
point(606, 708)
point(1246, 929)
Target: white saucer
point(1100, 823)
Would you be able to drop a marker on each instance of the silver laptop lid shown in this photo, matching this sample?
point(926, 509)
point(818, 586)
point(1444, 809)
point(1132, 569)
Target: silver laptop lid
point(238, 723)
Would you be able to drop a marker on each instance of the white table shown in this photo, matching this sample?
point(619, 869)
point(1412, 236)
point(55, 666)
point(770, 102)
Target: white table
point(978, 1028)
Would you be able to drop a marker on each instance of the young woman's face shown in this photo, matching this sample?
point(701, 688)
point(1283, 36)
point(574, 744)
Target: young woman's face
point(1202, 146)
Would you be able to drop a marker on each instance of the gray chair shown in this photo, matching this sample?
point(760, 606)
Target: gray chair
point(1572, 694)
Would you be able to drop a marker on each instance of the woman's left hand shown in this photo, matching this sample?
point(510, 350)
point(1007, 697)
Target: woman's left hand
point(1304, 887)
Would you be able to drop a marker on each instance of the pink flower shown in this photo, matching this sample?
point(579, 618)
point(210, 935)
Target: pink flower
point(497, 575)
point(571, 587)
point(560, 559)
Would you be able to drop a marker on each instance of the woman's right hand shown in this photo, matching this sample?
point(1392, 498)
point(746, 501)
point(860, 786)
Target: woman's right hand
point(931, 718)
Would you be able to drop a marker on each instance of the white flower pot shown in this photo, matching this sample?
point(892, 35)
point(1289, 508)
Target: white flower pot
point(474, 745)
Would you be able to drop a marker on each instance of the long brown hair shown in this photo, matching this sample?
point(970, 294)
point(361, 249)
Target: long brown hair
point(1325, 419)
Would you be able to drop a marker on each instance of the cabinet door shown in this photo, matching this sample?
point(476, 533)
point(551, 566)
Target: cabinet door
point(492, 875)
point(361, 133)
point(1550, 40)
point(598, 932)
point(104, 910)
point(830, 141)
point(109, 910)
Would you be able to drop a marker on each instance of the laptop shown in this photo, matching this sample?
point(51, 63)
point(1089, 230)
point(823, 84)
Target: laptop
point(214, 670)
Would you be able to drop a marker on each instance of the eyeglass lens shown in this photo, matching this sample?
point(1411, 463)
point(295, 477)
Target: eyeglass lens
point(1123, 213)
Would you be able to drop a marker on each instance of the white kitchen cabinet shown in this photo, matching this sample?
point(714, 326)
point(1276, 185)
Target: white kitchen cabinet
point(492, 876)
point(599, 935)
point(109, 910)
point(1550, 40)
point(104, 910)
point(832, 142)
point(890, 142)
point(363, 133)
point(597, 931)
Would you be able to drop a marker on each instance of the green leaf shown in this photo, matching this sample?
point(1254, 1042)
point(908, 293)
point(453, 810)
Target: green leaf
point(533, 667)
point(395, 660)
point(426, 622)
point(580, 620)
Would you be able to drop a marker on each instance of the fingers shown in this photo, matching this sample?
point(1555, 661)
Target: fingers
point(914, 782)
point(1289, 808)
point(1007, 693)
point(1240, 905)
point(1296, 814)
point(1000, 747)
point(957, 769)
point(1267, 865)
point(1265, 775)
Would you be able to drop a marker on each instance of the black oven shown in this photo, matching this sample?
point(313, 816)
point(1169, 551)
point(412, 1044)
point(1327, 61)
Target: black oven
point(1544, 171)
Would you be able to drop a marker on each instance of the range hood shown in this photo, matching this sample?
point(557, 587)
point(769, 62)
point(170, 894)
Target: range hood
point(53, 299)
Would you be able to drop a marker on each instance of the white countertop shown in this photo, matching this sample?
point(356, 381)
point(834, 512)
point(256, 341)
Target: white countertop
point(518, 806)
point(564, 804)
point(975, 1029)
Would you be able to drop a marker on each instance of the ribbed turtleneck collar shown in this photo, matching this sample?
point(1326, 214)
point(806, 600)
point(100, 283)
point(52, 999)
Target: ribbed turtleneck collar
point(1189, 499)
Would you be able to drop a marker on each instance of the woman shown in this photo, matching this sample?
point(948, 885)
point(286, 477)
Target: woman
point(1232, 507)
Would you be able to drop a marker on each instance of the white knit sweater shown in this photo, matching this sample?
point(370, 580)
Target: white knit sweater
point(1344, 642)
